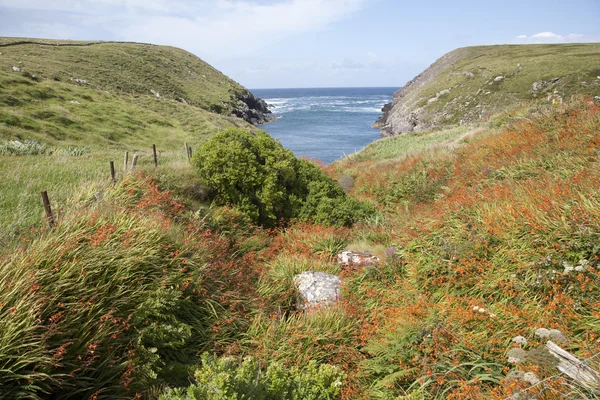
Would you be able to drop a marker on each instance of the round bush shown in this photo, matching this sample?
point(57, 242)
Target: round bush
point(255, 173)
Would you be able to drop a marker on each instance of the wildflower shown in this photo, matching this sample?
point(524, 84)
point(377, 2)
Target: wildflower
point(519, 340)
point(481, 310)
point(476, 308)
point(492, 315)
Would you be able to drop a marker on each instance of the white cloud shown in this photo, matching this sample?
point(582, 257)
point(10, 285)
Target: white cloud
point(214, 29)
point(551, 37)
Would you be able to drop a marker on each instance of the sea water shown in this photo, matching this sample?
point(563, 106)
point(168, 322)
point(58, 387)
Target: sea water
point(325, 123)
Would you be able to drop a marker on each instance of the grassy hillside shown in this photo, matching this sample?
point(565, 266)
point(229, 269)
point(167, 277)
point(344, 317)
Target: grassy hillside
point(81, 126)
point(470, 83)
point(130, 68)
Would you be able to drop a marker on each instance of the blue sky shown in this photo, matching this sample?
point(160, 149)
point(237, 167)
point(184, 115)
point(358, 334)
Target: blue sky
point(309, 43)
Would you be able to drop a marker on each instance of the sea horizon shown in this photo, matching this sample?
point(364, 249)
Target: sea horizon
point(325, 123)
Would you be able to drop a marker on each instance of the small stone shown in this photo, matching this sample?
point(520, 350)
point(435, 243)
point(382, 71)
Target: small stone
point(542, 333)
point(16, 69)
point(317, 288)
point(492, 315)
point(498, 78)
point(481, 310)
point(531, 378)
point(515, 375)
point(75, 102)
point(357, 259)
point(476, 308)
point(557, 336)
point(154, 92)
point(516, 355)
point(519, 340)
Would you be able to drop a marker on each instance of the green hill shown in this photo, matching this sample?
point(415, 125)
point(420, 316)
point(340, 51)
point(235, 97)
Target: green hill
point(84, 103)
point(468, 84)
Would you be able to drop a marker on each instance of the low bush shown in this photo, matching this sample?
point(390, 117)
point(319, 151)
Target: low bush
point(260, 177)
point(226, 378)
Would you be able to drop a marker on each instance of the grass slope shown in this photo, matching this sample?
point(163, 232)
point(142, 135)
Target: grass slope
point(130, 68)
point(470, 83)
point(114, 111)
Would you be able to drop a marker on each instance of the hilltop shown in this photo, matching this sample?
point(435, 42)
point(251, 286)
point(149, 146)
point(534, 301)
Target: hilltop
point(127, 70)
point(468, 84)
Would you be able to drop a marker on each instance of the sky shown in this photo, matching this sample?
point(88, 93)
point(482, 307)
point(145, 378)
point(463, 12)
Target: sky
point(309, 43)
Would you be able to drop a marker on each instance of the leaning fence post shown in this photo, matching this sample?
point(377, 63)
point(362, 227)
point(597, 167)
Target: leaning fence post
point(126, 161)
point(187, 151)
point(112, 171)
point(134, 162)
point(155, 157)
point(48, 210)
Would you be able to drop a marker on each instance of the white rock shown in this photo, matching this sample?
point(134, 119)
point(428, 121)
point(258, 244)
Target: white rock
point(357, 258)
point(476, 308)
point(557, 336)
point(498, 78)
point(519, 340)
point(317, 288)
point(516, 355)
point(531, 378)
point(16, 69)
point(154, 92)
point(542, 333)
point(481, 310)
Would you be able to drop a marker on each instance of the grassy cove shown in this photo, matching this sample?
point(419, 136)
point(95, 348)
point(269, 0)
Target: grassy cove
point(177, 282)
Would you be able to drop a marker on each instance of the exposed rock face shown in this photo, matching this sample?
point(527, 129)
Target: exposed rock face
point(469, 84)
point(403, 114)
point(251, 109)
point(317, 288)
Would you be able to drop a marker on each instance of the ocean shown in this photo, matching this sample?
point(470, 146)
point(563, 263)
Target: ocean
point(325, 123)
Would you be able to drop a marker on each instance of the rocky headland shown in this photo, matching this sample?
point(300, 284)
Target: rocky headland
point(468, 84)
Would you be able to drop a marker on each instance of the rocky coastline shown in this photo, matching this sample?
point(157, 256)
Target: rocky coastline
point(252, 109)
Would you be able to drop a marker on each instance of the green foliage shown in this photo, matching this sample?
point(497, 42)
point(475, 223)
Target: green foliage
point(226, 378)
point(265, 181)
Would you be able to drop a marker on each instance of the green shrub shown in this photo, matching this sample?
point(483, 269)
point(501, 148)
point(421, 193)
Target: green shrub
point(261, 178)
point(226, 378)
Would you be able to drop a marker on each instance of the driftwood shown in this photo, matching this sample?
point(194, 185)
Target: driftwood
point(574, 368)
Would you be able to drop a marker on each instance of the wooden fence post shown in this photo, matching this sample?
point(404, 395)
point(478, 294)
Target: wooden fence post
point(190, 152)
point(48, 210)
point(187, 151)
point(134, 162)
point(112, 171)
point(126, 161)
point(155, 157)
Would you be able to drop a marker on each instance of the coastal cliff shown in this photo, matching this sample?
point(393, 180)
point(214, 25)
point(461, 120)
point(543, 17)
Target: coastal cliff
point(468, 84)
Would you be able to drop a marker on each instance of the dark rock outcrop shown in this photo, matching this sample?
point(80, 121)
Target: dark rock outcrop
point(252, 109)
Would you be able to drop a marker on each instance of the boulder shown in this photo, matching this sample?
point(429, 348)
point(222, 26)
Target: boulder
point(351, 258)
point(317, 289)
point(251, 109)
